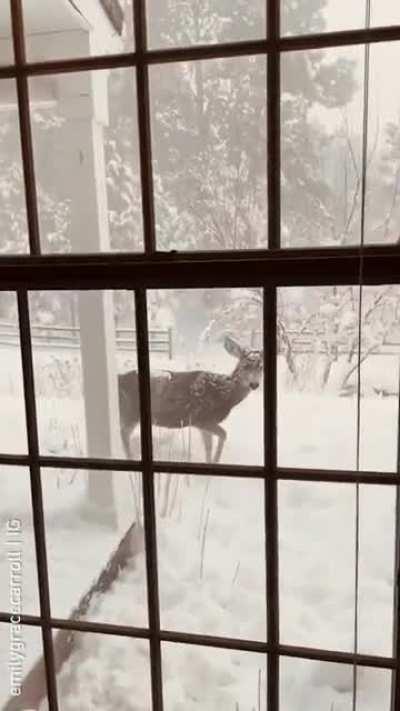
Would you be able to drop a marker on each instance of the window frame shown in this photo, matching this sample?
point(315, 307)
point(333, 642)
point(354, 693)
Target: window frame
point(268, 269)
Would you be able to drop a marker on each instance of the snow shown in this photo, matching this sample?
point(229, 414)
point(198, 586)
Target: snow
point(220, 560)
point(317, 686)
point(229, 680)
point(106, 672)
point(211, 552)
point(317, 564)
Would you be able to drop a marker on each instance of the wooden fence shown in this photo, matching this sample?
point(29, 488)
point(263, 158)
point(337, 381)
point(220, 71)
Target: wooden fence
point(160, 341)
point(307, 342)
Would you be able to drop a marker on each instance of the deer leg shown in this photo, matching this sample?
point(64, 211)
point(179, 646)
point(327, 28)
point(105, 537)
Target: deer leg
point(207, 441)
point(221, 434)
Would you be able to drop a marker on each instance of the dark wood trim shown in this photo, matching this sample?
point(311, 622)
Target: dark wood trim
point(360, 660)
point(144, 127)
point(36, 496)
point(149, 510)
point(345, 476)
point(271, 492)
point(209, 51)
point(273, 127)
point(213, 642)
point(25, 129)
point(284, 267)
point(339, 476)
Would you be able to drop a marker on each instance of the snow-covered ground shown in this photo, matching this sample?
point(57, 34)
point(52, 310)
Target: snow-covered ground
point(211, 550)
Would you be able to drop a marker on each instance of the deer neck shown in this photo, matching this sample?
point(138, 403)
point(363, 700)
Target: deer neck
point(238, 391)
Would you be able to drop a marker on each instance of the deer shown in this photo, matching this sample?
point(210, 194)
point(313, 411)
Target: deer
point(195, 398)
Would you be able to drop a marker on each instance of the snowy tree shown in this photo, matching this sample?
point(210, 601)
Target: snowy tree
point(209, 137)
point(383, 194)
point(319, 328)
point(313, 82)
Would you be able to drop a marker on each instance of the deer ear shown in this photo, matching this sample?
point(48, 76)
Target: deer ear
point(232, 347)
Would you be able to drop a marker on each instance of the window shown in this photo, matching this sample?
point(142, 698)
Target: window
point(200, 342)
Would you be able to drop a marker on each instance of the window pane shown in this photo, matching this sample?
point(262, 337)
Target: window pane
point(317, 384)
point(318, 564)
point(174, 22)
point(385, 12)
point(302, 18)
point(377, 569)
point(321, 123)
point(81, 342)
point(318, 380)
point(201, 677)
point(206, 399)
point(86, 153)
point(25, 675)
point(383, 169)
point(309, 684)
point(209, 154)
point(104, 671)
point(316, 529)
point(6, 43)
point(13, 224)
point(13, 428)
point(211, 555)
point(380, 358)
point(77, 29)
point(103, 581)
point(18, 571)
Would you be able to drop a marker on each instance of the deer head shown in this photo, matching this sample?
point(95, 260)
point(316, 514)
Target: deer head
point(248, 371)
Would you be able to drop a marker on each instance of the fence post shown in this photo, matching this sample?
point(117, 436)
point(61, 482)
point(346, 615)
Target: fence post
point(170, 343)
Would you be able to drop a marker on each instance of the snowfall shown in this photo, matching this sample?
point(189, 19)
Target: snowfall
point(211, 548)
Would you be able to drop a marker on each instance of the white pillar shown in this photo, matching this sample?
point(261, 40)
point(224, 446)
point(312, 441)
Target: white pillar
point(83, 101)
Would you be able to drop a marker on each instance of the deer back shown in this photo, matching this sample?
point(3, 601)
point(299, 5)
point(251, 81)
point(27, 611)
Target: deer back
point(181, 398)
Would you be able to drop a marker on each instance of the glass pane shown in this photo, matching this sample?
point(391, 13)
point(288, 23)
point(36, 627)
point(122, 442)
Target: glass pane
point(385, 12)
point(205, 678)
point(104, 671)
point(13, 427)
point(383, 169)
point(104, 580)
point(308, 684)
point(318, 564)
point(374, 689)
point(13, 224)
point(174, 22)
point(6, 43)
point(377, 569)
point(81, 341)
point(22, 676)
point(86, 152)
point(318, 378)
point(302, 18)
point(211, 555)
point(206, 399)
point(77, 29)
point(380, 359)
point(317, 384)
point(321, 122)
point(209, 154)
point(18, 570)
